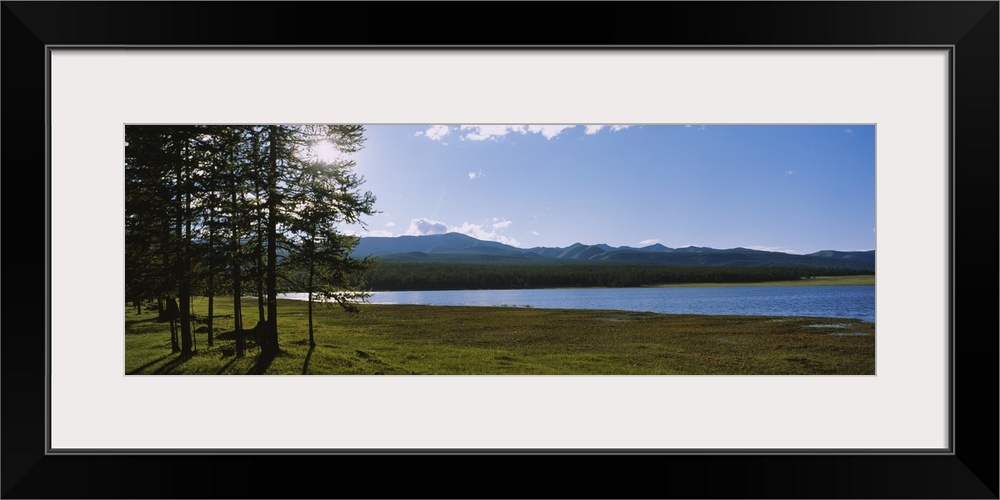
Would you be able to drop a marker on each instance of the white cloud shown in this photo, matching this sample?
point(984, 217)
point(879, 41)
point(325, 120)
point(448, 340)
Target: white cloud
point(436, 132)
point(424, 226)
point(379, 233)
point(848, 131)
point(493, 132)
point(535, 233)
point(700, 127)
point(549, 131)
point(476, 175)
point(420, 227)
point(483, 132)
point(477, 231)
point(390, 224)
point(646, 243)
point(593, 129)
point(790, 172)
point(501, 223)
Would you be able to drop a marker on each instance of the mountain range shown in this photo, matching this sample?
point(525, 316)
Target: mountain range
point(461, 248)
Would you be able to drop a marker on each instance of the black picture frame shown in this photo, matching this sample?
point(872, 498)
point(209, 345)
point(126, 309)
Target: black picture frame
point(969, 28)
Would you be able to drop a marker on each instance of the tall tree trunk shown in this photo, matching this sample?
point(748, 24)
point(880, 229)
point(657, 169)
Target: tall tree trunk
point(238, 315)
point(211, 274)
point(238, 306)
point(178, 266)
point(271, 331)
point(312, 342)
point(211, 302)
point(237, 279)
point(172, 313)
point(259, 248)
point(185, 268)
point(175, 346)
point(258, 252)
point(237, 292)
point(194, 338)
point(260, 283)
point(185, 310)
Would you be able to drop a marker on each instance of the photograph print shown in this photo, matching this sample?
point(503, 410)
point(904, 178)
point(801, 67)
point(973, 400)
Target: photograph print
point(451, 249)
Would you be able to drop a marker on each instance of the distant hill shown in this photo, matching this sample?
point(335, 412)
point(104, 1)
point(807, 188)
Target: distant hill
point(438, 243)
point(460, 248)
point(866, 255)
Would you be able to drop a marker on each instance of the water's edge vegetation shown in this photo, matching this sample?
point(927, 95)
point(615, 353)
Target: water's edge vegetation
point(439, 340)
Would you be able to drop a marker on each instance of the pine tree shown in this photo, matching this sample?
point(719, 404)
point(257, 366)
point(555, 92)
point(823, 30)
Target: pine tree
point(329, 194)
point(223, 206)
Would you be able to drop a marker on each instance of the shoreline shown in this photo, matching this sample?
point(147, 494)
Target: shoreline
point(526, 307)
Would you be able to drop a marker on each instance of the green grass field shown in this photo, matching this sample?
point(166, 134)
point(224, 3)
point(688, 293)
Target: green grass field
point(434, 340)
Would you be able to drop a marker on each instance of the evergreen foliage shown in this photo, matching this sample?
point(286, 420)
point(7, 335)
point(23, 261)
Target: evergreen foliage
point(241, 210)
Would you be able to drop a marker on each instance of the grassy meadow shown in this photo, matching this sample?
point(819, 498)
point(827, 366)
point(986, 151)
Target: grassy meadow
point(429, 340)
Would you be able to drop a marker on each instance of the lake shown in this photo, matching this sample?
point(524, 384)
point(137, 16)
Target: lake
point(822, 301)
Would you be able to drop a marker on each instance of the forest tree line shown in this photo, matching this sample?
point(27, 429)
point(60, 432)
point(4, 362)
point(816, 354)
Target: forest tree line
point(387, 276)
point(240, 211)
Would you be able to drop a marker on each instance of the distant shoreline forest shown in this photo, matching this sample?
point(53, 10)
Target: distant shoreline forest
point(397, 276)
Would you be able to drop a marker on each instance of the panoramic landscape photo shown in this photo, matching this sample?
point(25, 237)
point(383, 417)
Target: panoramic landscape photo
point(683, 249)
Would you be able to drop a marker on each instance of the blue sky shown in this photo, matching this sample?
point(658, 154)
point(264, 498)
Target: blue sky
point(790, 188)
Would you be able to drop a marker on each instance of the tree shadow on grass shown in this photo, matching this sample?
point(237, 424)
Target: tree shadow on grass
point(305, 366)
point(168, 368)
point(147, 365)
point(264, 360)
point(129, 322)
point(226, 366)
